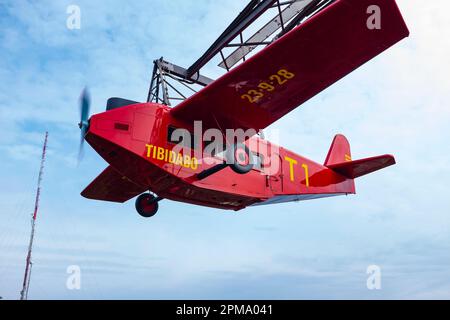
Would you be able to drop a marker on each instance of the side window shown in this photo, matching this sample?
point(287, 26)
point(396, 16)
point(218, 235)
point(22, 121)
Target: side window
point(181, 136)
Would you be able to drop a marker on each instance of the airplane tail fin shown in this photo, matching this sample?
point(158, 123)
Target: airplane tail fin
point(339, 152)
point(340, 160)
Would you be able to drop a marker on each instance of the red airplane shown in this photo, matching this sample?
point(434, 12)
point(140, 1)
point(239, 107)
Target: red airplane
point(320, 42)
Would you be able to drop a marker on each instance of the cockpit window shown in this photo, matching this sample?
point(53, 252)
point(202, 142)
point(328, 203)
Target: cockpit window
point(180, 136)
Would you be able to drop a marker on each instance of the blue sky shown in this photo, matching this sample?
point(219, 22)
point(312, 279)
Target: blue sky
point(397, 103)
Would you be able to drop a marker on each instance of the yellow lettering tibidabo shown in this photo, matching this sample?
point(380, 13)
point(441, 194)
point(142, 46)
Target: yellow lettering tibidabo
point(169, 156)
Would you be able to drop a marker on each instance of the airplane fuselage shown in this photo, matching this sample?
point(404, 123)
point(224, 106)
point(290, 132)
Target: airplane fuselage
point(135, 141)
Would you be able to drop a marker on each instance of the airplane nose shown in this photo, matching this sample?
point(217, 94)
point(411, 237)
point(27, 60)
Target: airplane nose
point(84, 124)
point(114, 126)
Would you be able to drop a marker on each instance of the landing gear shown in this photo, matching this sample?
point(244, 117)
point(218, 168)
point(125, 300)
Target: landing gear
point(147, 205)
point(240, 158)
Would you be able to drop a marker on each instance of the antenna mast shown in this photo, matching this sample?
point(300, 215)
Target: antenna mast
point(29, 264)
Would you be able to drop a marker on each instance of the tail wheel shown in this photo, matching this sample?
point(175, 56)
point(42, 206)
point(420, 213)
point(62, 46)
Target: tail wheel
point(240, 158)
point(147, 205)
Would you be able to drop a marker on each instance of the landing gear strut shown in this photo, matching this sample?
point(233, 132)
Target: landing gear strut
point(147, 205)
point(240, 158)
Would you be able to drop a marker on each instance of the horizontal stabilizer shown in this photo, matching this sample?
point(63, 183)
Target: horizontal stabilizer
point(359, 168)
point(113, 187)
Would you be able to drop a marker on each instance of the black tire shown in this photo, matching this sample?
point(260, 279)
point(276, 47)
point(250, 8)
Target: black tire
point(240, 158)
point(147, 205)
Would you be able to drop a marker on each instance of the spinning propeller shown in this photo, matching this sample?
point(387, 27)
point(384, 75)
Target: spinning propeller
point(85, 106)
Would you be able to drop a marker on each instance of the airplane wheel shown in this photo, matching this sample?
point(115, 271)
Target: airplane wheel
point(240, 158)
point(146, 205)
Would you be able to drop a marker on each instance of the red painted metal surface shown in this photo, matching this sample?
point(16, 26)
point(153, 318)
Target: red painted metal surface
point(318, 53)
point(113, 186)
point(122, 137)
point(134, 139)
point(359, 168)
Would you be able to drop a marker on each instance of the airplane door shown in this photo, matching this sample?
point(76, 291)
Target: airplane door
point(275, 176)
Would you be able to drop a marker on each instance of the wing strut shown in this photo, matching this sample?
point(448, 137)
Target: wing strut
point(163, 91)
point(251, 12)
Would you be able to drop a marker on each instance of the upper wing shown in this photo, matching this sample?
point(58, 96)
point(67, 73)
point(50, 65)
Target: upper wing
point(297, 66)
point(112, 186)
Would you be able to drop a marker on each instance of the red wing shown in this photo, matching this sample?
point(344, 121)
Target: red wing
point(296, 67)
point(359, 168)
point(112, 186)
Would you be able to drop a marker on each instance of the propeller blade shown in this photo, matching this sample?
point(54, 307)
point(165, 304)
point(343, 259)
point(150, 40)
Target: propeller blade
point(85, 106)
